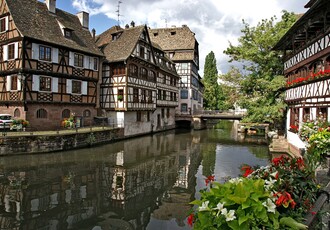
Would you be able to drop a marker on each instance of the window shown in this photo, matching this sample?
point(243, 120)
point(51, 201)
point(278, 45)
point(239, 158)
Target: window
point(41, 113)
point(135, 95)
point(168, 113)
point(11, 51)
point(67, 33)
point(133, 70)
point(45, 53)
point(120, 95)
point(148, 116)
point(148, 55)
point(87, 113)
point(152, 76)
point(184, 94)
point(78, 60)
point(66, 113)
point(143, 94)
point(95, 64)
point(163, 113)
point(118, 70)
point(144, 73)
point(159, 94)
point(13, 84)
point(138, 116)
point(164, 95)
point(149, 96)
point(142, 52)
point(45, 83)
point(184, 107)
point(17, 113)
point(3, 24)
point(76, 87)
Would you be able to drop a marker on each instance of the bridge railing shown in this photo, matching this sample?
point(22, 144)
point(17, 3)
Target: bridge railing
point(215, 112)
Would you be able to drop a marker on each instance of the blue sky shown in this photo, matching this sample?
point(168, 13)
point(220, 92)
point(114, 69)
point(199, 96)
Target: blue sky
point(214, 22)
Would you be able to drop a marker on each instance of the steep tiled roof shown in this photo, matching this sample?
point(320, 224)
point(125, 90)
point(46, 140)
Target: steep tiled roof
point(122, 47)
point(175, 39)
point(33, 20)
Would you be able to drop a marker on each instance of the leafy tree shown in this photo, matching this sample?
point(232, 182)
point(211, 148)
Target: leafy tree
point(260, 88)
point(212, 91)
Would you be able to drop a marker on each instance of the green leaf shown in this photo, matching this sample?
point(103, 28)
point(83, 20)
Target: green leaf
point(293, 224)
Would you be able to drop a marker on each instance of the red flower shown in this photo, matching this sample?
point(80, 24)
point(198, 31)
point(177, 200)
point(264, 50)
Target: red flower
point(284, 199)
point(313, 213)
point(209, 179)
point(248, 170)
point(190, 219)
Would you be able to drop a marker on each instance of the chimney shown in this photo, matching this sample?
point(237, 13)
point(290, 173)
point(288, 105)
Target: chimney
point(84, 19)
point(51, 5)
point(93, 33)
point(132, 23)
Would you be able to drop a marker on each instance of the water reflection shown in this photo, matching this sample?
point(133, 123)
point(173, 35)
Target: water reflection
point(142, 183)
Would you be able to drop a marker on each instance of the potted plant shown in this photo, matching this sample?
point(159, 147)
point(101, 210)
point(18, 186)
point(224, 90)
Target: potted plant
point(120, 97)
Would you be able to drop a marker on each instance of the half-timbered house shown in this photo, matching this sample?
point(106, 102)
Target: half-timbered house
point(180, 44)
point(306, 48)
point(129, 81)
point(49, 64)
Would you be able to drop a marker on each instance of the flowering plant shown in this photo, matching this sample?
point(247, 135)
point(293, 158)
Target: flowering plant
point(273, 197)
point(19, 124)
point(312, 76)
point(294, 128)
point(69, 122)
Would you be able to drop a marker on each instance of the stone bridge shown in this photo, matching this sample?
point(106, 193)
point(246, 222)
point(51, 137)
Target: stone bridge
point(198, 119)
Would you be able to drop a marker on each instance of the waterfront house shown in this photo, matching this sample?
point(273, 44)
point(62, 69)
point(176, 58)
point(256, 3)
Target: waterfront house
point(180, 44)
point(306, 48)
point(49, 64)
point(139, 83)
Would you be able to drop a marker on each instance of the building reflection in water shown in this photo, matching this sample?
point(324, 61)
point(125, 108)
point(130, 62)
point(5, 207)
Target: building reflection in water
point(121, 185)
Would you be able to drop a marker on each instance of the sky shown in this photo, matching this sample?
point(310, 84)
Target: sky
point(214, 22)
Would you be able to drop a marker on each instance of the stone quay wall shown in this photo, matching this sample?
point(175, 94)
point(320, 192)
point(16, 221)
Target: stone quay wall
point(30, 144)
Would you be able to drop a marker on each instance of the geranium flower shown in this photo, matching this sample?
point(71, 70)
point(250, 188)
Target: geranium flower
point(285, 199)
point(248, 170)
point(228, 215)
point(269, 204)
point(190, 219)
point(204, 206)
point(209, 179)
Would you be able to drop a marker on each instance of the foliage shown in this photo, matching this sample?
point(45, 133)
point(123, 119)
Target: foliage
point(316, 134)
point(272, 197)
point(69, 122)
point(260, 87)
point(212, 92)
point(19, 124)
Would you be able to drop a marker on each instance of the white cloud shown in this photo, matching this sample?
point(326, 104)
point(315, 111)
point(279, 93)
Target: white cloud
point(215, 22)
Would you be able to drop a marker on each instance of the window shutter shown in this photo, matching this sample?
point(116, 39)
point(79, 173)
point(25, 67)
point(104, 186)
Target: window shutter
point(19, 82)
point(5, 52)
point(35, 83)
point(35, 51)
point(71, 59)
point(7, 23)
point(86, 62)
point(84, 88)
point(55, 85)
point(16, 50)
point(8, 83)
point(55, 55)
point(68, 86)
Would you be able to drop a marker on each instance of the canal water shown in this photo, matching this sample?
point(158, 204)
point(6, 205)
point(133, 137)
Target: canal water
point(141, 183)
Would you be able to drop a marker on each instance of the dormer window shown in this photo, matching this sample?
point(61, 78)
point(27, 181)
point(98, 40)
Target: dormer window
point(67, 33)
point(173, 33)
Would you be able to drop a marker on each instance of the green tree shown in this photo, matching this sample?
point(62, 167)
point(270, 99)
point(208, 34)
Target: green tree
point(260, 87)
point(212, 91)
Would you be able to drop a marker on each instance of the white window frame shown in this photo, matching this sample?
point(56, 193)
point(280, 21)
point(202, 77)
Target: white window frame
point(6, 24)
